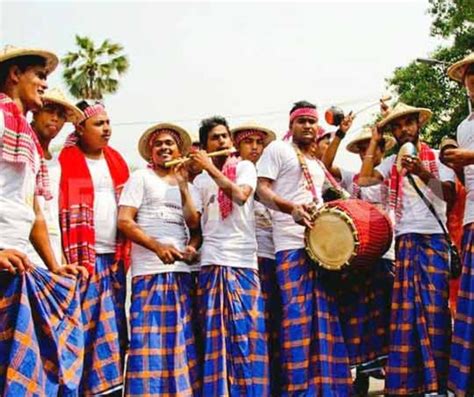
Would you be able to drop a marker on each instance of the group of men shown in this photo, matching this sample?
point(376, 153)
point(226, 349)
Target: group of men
point(225, 299)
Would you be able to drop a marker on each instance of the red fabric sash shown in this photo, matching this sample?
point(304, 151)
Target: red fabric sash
point(230, 171)
point(20, 144)
point(76, 206)
point(428, 158)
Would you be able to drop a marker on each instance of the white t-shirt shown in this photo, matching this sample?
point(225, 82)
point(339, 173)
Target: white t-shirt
point(373, 194)
point(416, 217)
point(264, 231)
point(230, 241)
point(105, 206)
point(280, 164)
point(17, 191)
point(160, 216)
point(50, 209)
point(465, 138)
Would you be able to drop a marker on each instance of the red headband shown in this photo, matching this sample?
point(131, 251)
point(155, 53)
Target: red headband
point(173, 133)
point(240, 136)
point(91, 111)
point(304, 112)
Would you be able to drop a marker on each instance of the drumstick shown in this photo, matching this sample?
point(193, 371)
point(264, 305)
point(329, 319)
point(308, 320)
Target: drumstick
point(224, 152)
point(383, 99)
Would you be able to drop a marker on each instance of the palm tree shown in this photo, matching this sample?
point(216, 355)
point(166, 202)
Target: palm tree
point(92, 72)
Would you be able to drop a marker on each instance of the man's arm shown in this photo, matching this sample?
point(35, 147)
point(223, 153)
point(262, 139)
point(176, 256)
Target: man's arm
point(368, 174)
point(14, 261)
point(329, 156)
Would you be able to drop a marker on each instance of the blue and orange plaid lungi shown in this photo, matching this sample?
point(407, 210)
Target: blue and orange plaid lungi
point(272, 314)
point(364, 298)
point(235, 348)
point(461, 370)
point(105, 326)
point(41, 335)
point(162, 359)
point(420, 324)
point(313, 353)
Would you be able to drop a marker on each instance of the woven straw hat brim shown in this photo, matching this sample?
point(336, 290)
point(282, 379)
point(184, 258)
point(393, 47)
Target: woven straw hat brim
point(405, 110)
point(144, 146)
point(353, 146)
point(8, 53)
point(456, 70)
point(73, 113)
point(269, 134)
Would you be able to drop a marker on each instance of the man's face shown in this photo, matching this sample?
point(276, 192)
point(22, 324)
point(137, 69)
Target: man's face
point(406, 129)
point(95, 133)
point(164, 149)
point(304, 130)
point(469, 84)
point(31, 86)
point(49, 120)
point(218, 139)
point(251, 147)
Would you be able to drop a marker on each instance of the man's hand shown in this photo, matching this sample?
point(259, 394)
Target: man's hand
point(181, 174)
point(201, 159)
point(167, 253)
point(384, 108)
point(190, 254)
point(376, 134)
point(301, 215)
point(413, 165)
point(71, 270)
point(457, 158)
point(346, 123)
point(14, 261)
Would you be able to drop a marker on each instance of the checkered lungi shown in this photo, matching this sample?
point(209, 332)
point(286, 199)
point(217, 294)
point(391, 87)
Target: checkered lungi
point(105, 326)
point(363, 298)
point(41, 335)
point(420, 324)
point(313, 353)
point(235, 348)
point(162, 359)
point(461, 370)
point(272, 314)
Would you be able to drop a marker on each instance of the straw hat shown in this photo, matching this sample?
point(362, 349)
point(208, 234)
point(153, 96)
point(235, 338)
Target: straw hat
point(56, 96)
point(456, 70)
point(269, 134)
point(365, 135)
point(144, 142)
point(9, 52)
point(402, 109)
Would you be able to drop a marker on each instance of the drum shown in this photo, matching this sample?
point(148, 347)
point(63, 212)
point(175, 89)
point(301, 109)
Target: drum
point(348, 233)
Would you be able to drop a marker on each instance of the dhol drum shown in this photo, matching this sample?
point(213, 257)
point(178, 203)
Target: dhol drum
point(346, 233)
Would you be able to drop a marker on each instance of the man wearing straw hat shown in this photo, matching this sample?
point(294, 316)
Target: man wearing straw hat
point(159, 210)
point(364, 301)
point(41, 353)
point(420, 324)
point(47, 124)
point(313, 354)
point(229, 291)
point(461, 371)
point(250, 139)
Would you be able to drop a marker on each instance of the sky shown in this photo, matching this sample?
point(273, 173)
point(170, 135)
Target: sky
point(247, 61)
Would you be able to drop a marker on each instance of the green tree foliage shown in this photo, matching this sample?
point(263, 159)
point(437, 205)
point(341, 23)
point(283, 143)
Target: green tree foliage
point(90, 72)
point(424, 85)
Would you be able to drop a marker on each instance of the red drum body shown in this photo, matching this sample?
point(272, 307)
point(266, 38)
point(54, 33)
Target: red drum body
point(348, 233)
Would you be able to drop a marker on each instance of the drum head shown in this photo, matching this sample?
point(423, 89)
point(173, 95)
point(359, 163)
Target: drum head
point(331, 241)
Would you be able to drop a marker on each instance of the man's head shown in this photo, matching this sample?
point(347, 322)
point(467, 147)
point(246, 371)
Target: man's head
point(303, 123)
point(469, 81)
point(463, 72)
point(49, 120)
point(250, 140)
point(94, 130)
point(23, 75)
point(214, 134)
point(323, 139)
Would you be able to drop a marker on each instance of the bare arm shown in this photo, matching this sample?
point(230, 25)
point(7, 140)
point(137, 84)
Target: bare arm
point(127, 225)
point(190, 213)
point(329, 156)
point(368, 174)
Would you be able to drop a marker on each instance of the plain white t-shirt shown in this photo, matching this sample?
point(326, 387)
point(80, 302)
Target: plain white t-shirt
point(50, 209)
point(264, 231)
point(416, 217)
point(280, 164)
point(105, 206)
point(230, 241)
point(17, 191)
point(372, 194)
point(465, 138)
point(160, 216)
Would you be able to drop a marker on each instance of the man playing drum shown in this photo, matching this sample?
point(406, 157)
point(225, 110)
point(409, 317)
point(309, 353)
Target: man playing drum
point(365, 296)
point(290, 179)
point(420, 323)
point(461, 371)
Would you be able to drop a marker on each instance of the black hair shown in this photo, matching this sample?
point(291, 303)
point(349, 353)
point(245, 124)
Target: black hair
point(302, 104)
point(207, 125)
point(23, 62)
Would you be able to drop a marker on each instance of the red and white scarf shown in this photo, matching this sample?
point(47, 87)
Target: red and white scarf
point(428, 159)
point(229, 170)
point(76, 205)
point(20, 144)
